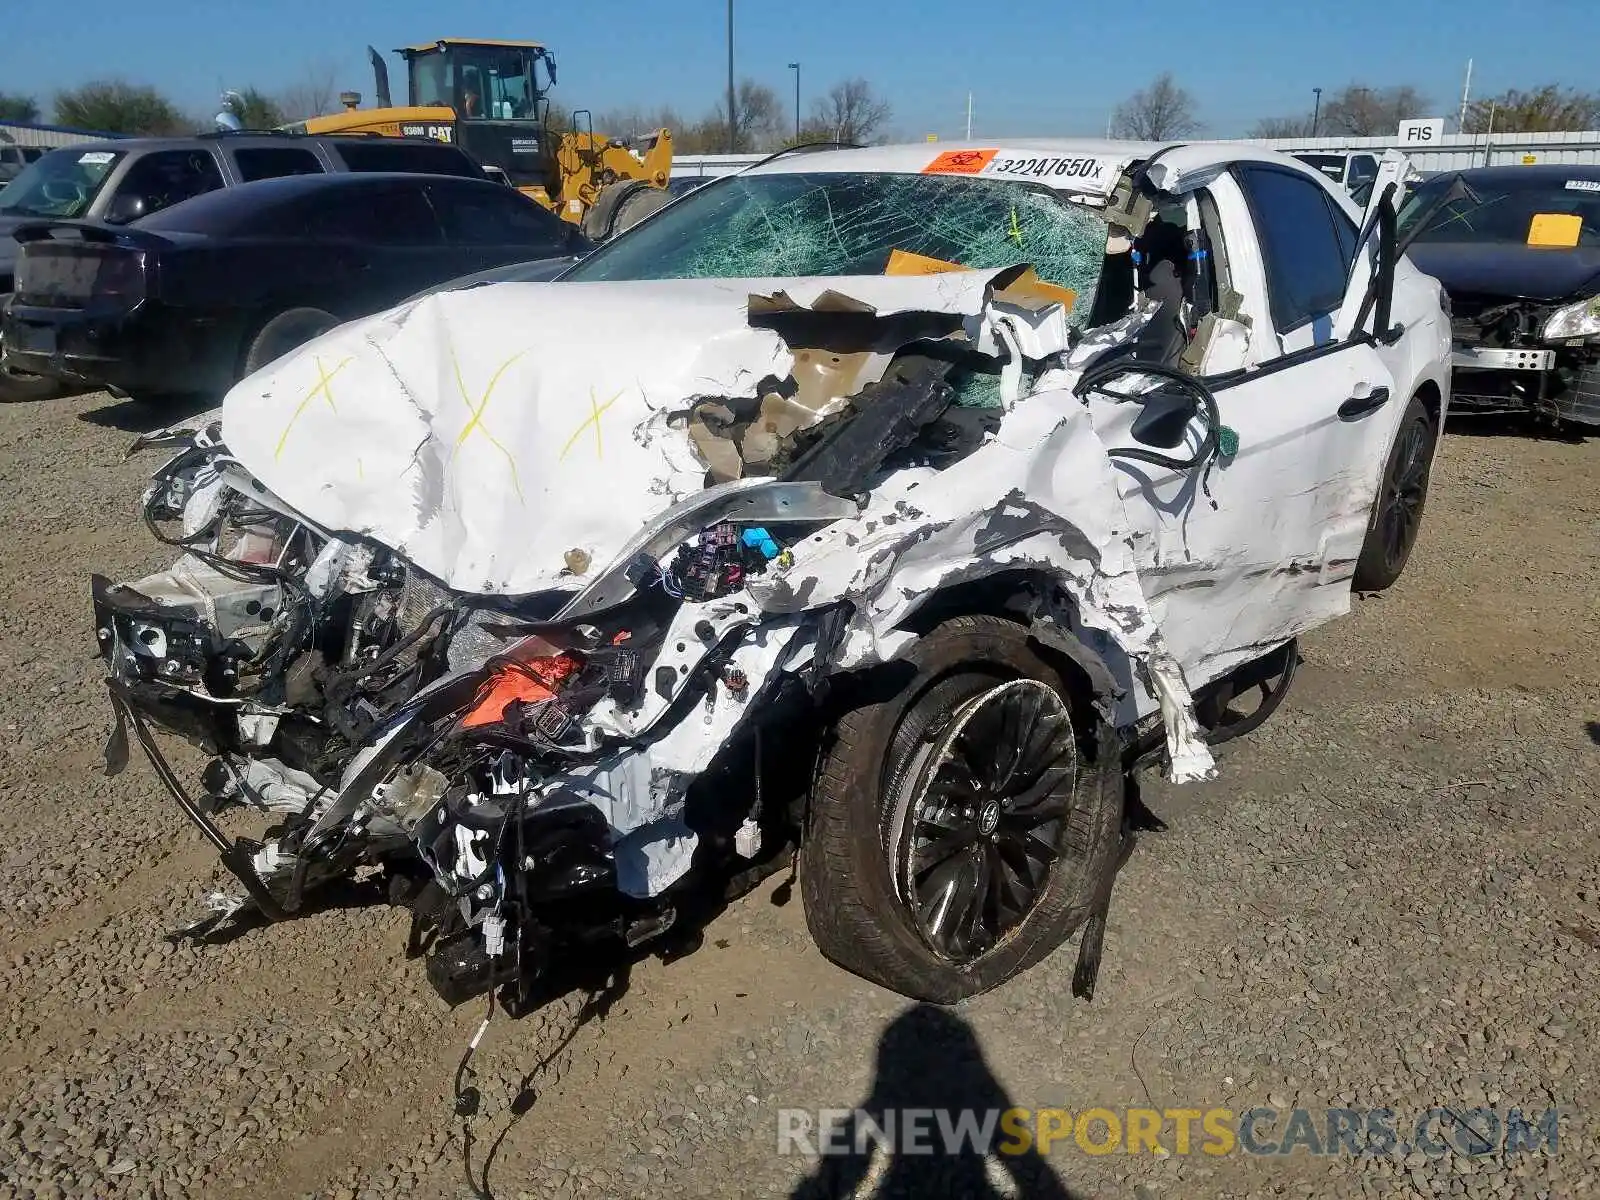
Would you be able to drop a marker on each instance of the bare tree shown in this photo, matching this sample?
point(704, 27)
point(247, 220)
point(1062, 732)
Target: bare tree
point(850, 112)
point(1282, 127)
point(316, 95)
point(1548, 109)
point(759, 119)
point(1360, 111)
point(625, 123)
point(1159, 112)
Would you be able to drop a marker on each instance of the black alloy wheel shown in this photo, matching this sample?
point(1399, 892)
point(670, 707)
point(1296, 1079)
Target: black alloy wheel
point(1404, 492)
point(979, 818)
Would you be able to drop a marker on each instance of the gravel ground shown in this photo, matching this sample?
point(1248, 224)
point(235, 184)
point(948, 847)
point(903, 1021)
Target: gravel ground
point(1390, 897)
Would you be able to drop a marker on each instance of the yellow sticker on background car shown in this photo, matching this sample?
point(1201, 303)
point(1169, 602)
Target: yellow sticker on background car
point(1560, 230)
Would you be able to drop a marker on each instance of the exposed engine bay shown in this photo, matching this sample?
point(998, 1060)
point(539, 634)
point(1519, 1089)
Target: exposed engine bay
point(383, 721)
point(1505, 359)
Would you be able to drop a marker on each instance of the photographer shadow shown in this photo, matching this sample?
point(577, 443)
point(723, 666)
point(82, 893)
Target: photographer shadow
point(929, 1058)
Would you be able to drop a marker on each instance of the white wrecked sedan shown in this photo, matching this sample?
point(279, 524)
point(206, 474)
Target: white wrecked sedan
point(872, 510)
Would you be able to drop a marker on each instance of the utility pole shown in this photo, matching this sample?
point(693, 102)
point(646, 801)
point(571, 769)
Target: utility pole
point(969, 116)
point(795, 67)
point(733, 119)
point(1466, 91)
point(1316, 111)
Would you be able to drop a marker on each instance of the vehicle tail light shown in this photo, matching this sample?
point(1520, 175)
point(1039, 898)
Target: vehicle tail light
point(70, 274)
point(120, 276)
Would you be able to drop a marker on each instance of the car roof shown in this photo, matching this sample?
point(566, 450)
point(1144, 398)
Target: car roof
point(1183, 164)
point(1538, 172)
point(211, 207)
point(285, 187)
point(250, 138)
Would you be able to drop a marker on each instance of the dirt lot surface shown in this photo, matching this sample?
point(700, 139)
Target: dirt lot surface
point(1390, 897)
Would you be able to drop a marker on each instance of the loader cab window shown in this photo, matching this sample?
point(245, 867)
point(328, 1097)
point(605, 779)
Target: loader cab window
point(495, 82)
point(431, 83)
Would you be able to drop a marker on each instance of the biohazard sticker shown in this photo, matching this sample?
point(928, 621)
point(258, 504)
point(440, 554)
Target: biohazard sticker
point(1076, 172)
point(960, 162)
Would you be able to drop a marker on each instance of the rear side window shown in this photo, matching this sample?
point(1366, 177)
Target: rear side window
point(386, 217)
point(497, 216)
point(270, 162)
point(168, 177)
point(1306, 254)
point(419, 157)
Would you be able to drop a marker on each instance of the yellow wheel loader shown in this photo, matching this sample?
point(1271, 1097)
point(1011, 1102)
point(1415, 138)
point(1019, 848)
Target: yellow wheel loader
point(491, 98)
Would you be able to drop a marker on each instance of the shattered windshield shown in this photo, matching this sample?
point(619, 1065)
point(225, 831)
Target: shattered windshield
point(783, 225)
point(1533, 211)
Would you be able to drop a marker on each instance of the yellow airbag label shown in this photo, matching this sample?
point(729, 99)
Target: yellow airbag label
point(1555, 229)
point(905, 262)
point(1027, 286)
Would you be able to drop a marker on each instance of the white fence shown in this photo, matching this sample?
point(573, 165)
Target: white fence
point(1458, 151)
point(1450, 152)
point(711, 165)
point(23, 134)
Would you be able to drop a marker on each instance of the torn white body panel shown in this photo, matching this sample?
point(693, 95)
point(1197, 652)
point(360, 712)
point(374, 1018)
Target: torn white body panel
point(1041, 496)
point(452, 428)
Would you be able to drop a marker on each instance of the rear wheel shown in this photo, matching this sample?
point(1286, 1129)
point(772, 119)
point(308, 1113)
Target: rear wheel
point(959, 828)
point(1402, 496)
point(285, 332)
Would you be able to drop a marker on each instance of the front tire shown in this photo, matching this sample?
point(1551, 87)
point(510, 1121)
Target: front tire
point(1402, 496)
point(959, 829)
point(636, 207)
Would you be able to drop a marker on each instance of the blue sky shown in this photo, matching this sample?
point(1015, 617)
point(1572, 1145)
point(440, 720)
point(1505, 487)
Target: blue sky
point(1033, 68)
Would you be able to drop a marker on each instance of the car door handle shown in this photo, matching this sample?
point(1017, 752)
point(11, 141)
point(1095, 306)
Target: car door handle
point(1360, 406)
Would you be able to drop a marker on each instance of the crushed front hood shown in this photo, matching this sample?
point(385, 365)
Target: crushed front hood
point(512, 438)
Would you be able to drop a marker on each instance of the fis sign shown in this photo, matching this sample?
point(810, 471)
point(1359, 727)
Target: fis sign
point(1427, 132)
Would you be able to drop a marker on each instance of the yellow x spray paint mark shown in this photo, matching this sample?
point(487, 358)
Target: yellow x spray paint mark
point(322, 388)
point(475, 421)
point(596, 411)
point(1015, 232)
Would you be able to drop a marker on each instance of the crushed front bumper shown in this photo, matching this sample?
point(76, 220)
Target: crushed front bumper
point(1562, 384)
point(148, 650)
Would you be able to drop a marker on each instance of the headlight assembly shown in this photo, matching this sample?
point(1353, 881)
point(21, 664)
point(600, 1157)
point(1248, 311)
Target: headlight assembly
point(1574, 321)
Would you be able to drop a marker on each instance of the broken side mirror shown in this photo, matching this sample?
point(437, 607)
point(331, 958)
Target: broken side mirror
point(1369, 290)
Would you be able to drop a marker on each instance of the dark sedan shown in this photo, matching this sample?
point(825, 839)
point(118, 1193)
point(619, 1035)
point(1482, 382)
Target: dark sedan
point(1518, 251)
point(194, 297)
